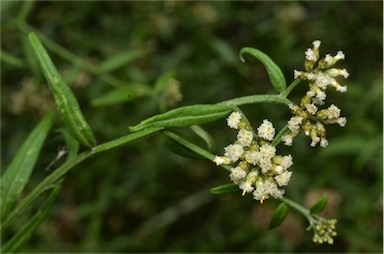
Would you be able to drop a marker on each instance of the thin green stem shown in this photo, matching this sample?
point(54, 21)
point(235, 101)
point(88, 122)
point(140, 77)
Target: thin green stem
point(279, 135)
point(304, 211)
point(290, 88)
point(198, 150)
point(51, 179)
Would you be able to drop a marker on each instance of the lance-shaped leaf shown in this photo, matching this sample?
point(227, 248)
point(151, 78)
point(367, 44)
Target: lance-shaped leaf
point(18, 172)
point(223, 189)
point(319, 205)
point(26, 232)
point(274, 72)
point(66, 102)
point(278, 215)
point(185, 116)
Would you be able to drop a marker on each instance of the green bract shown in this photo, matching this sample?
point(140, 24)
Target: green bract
point(67, 104)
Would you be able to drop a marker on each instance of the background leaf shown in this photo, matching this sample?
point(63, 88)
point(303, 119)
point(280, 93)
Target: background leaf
point(17, 242)
point(18, 172)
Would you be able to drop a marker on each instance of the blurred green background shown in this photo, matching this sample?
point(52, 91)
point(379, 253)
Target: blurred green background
point(126, 61)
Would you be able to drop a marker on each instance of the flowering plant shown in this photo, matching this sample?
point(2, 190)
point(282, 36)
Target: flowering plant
point(257, 169)
point(252, 160)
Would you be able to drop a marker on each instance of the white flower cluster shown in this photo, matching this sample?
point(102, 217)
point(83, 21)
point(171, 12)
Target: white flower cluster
point(257, 167)
point(309, 117)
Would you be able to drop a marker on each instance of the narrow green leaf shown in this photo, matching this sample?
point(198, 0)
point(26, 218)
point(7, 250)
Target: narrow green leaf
point(223, 189)
point(65, 100)
point(21, 237)
point(319, 205)
point(185, 116)
point(18, 172)
point(274, 72)
point(115, 96)
point(259, 98)
point(120, 60)
point(278, 215)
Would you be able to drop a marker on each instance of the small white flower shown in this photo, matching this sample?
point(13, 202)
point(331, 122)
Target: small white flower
point(233, 152)
point(316, 44)
point(340, 55)
point(334, 112)
point(341, 89)
point(221, 160)
point(296, 74)
point(287, 139)
point(294, 123)
point(345, 73)
point(283, 178)
point(267, 151)
point(342, 121)
point(245, 186)
point(245, 137)
point(311, 93)
point(310, 55)
point(323, 142)
point(323, 80)
point(233, 120)
point(310, 76)
point(315, 141)
point(278, 169)
point(293, 107)
point(287, 161)
point(329, 59)
point(237, 174)
point(320, 98)
point(311, 108)
point(277, 193)
point(265, 165)
point(266, 130)
point(252, 157)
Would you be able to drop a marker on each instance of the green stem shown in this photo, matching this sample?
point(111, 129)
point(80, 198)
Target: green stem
point(257, 99)
point(200, 151)
point(279, 135)
point(290, 88)
point(51, 179)
point(304, 211)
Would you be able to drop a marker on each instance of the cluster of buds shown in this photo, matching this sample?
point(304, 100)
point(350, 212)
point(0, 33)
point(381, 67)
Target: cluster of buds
point(324, 230)
point(308, 116)
point(256, 166)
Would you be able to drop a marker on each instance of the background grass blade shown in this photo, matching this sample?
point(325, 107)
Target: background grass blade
point(18, 172)
point(65, 100)
point(25, 233)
